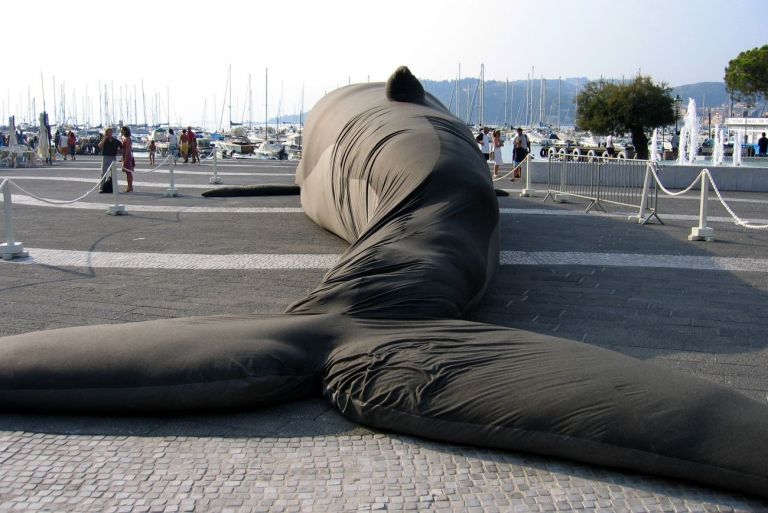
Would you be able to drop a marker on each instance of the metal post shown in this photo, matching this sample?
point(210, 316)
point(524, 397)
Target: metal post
point(116, 209)
point(10, 248)
point(171, 191)
point(527, 191)
point(215, 179)
point(703, 232)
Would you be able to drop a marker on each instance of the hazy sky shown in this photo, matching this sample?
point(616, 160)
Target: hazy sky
point(186, 47)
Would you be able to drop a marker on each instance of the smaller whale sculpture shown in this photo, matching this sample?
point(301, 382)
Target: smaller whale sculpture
point(384, 337)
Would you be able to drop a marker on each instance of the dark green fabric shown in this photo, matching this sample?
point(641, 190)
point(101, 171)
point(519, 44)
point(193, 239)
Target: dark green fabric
point(383, 337)
point(252, 190)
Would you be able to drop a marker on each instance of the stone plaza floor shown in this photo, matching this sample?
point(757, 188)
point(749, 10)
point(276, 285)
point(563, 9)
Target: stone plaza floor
point(646, 291)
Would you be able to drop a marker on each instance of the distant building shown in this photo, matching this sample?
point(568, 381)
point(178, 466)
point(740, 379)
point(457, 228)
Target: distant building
point(752, 127)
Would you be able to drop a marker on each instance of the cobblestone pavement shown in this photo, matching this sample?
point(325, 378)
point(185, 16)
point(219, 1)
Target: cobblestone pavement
point(645, 291)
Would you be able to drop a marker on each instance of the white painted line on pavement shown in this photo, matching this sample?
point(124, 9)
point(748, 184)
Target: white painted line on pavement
point(29, 201)
point(96, 259)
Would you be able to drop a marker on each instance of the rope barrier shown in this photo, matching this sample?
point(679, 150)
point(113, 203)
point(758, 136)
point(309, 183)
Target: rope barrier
point(154, 168)
point(737, 220)
point(667, 191)
point(527, 158)
point(58, 202)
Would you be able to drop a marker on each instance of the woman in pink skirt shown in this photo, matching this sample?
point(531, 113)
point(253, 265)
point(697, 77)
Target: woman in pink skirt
point(129, 163)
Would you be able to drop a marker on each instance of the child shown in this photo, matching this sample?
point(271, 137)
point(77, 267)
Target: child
point(152, 149)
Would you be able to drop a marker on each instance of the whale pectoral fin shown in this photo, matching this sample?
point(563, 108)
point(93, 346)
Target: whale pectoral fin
point(252, 190)
point(483, 385)
point(166, 365)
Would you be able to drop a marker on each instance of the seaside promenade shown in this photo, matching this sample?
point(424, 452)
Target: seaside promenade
point(646, 291)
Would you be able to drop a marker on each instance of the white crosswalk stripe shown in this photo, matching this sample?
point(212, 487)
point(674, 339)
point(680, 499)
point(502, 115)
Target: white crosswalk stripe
point(261, 261)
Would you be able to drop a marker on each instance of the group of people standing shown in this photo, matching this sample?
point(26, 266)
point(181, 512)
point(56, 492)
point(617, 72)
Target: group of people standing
point(184, 145)
point(67, 144)
point(490, 147)
point(110, 146)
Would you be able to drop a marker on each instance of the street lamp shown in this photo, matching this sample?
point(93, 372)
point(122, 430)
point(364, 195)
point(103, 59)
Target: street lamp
point(678, 101)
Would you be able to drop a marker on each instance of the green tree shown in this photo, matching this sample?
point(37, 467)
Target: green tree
point(635, 107)
point(747, 74)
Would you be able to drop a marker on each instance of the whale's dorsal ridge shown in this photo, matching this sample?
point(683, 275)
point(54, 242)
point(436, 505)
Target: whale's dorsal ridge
point(402, 86)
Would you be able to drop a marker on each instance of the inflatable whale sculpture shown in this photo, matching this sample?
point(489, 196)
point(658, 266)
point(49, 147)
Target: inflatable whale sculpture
point(382, 337)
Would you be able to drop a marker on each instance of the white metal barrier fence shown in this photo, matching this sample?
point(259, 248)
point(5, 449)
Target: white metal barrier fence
point(602, 180)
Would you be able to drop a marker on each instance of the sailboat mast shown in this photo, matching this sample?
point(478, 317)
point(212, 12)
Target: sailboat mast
point(63, 97)
point(42, 87)
point(506, 96)
point(250, 104)
point(511, 105)
point(279, 112)
point(55, 107)
point(559, 82)
point(101, 112)
point(144, 102)
point(469, 103)
point(458, 93)
point(301, 109)
point(266, 104)
point(112, 86)
point(230, 97)
point(135, 106)
point(482, 94)
point(224, 101)
point(106, 107)
point(541, 101)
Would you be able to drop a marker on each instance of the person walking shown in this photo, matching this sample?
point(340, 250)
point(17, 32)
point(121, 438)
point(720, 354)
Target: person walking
point(185, 145)
point(762, 146)
point(152, 148)
point(108, 147)
point(485, 144)
point(193, 145)
point(72, 144)
point(610, 147)
point(62, 144)
point(129, 163)
point(497, 159)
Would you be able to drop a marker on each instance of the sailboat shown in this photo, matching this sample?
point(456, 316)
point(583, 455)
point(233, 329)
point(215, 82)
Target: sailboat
point(237, 141)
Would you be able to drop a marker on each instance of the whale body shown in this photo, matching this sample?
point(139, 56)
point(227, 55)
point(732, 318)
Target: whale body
point(384, 337)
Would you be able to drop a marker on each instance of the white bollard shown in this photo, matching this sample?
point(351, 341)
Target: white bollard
point(10, 248)
point(528, 191)
point(116, 209)
point(703, 232)
point(215, 179)
point(641, 217)
point(171, 191)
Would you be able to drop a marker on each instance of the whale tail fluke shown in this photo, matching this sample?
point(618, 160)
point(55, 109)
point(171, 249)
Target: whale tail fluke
point(168, 365)
point(402, 86)
point(471, 383)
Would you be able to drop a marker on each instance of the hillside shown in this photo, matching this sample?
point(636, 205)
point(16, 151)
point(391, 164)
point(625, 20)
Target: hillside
point(517, 112)
point(518, 109)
